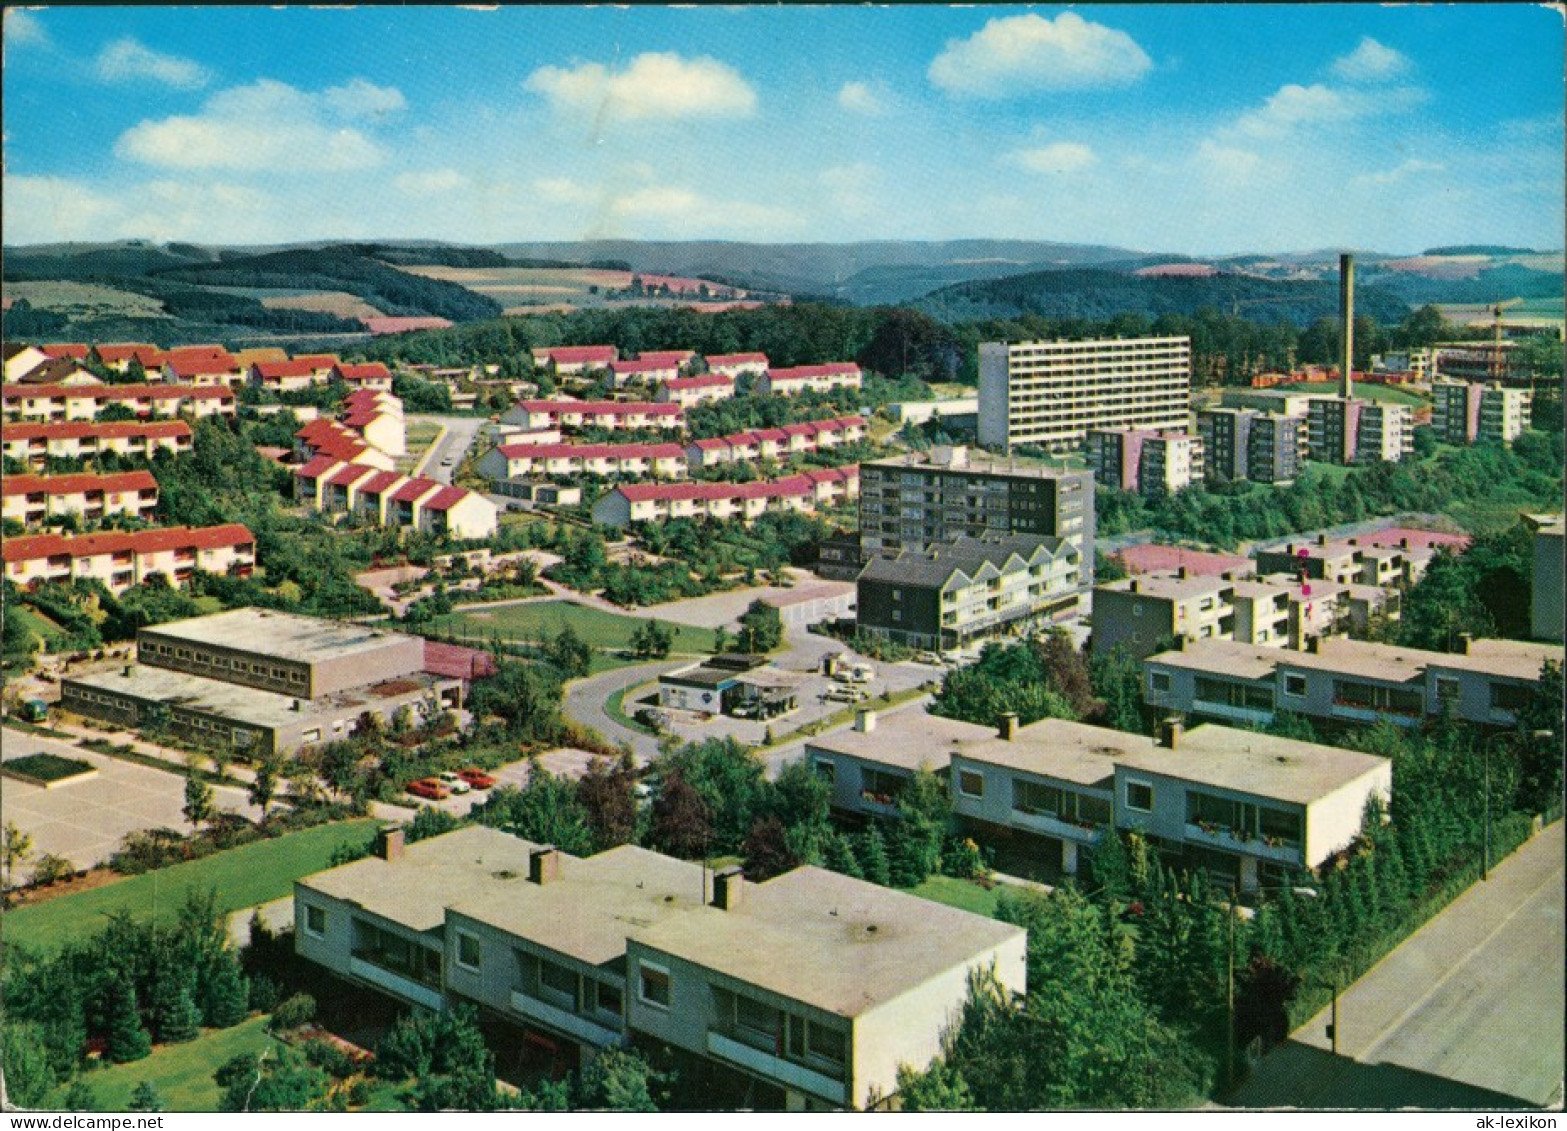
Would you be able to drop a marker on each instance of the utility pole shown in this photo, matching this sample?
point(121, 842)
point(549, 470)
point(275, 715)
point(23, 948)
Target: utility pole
point(1229, 993)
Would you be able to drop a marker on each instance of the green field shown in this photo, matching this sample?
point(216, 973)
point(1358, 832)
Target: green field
point(1389, 394)
point(84, 300)
point(965, 895)
point(48, 767)
point(543, 619)
point(181, 1073)
point(242, 877)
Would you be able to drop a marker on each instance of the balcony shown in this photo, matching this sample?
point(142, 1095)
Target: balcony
point(1360, 712)
point(1275, 849)
point(396, 984)
point(1049, 824)
point(1215, 709)
point(565, 1021)
point(776, 1068)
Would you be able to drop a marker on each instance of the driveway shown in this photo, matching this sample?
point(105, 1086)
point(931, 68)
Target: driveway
point(453, 444)
point(585, 699)
point(1467, 1013)
point(84, 821)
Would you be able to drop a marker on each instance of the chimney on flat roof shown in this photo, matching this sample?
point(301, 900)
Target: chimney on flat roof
point(1182, 573)
point(1170, 731)
point(1466, 641)
point(1135, 587)
point(865, 721)
point(389, 842)
point(1008, 728)
point(728, 888)
point(544, 865)
point(130, 670)
point(1322, 539)
point(1313, 645)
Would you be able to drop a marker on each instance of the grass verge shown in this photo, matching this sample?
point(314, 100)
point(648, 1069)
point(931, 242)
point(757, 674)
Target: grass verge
point(543, 619)
point(253, 873)
point(182, 1073)
point(965, 895)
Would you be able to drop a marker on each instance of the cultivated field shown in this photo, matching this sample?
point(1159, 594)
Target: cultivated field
point(340, 303)
point(82, 301)
point(533, 290)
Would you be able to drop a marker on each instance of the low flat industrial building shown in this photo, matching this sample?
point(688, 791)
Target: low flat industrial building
point(731, 684)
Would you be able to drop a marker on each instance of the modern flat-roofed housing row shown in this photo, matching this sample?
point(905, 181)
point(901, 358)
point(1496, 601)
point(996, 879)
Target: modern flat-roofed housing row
point(951, 593)
point(813, 985)
point(1248, 807)
point(1469, 412)
point(1138, 614)
point(34, 499)
point(914, 500)
point(34, 444)
point(1339, 681)
point(1051, 394)
point(1149, 463)
point(803, 492)
point(122, 559)
point(389, 498)
point(257, 681)
point(1243, 443)
point(84, 402)
point(1363, 560)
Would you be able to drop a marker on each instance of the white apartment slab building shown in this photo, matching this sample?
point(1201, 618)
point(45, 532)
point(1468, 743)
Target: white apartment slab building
point(1050, 394)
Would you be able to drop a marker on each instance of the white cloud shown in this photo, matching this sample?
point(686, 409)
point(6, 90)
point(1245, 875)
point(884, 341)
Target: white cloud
point(265, 125)
point(1018, 54)
point(430, 182)
point(22, 29)
point(126, 60)
point(654, 86)
point(361, 99)
point(1370, 62)
point(52, 209)
point(851, 188)
point(562, 190)
point(1413, 167)
point(1057, 157)
point(864, 98)
point(670, 208)
point(1227, 163)
point(1294, 106)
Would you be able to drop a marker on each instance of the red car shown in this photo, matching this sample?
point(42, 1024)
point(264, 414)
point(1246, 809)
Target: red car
point(476, 778)
point(430, 788)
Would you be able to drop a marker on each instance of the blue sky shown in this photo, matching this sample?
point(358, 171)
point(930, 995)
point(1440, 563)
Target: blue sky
point(1198, 129)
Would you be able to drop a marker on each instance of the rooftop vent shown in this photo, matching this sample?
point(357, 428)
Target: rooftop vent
point(544, 865)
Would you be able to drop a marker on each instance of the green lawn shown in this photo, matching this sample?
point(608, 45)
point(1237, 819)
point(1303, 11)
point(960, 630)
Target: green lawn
point(243, 877)
point(181, 1073)
point(543, 619)
point(965, 895)
point(1389, 394)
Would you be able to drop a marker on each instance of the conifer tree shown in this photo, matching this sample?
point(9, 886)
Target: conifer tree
point(127, 1040)
point(839, 856)
point(227, 999)
point(873, 857)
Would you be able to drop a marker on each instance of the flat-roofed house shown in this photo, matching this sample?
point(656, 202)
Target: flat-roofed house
point(870, 765)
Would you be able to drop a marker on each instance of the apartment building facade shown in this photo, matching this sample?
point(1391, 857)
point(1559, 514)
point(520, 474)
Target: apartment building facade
point(513, 461)
point(1241, 443)
point(609, 415)
point(1472, 412)
point(1051, 394)
point(913, 500)
point(812, 985)
point(57, 403)
point(122, 559)
point(36, 444)
point(1347, 682)
point(1149, 463)
point(952, 593)
point(688, 391)
point(1547, 581)
point(804, 492)
point(35, 499)
point(1359, 431)
point(809, 378)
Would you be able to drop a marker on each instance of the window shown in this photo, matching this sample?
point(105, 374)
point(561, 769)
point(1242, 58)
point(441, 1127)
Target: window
point(558, 984)
point(653, 985)
point(1159, 681)
point(1295, 686)
point(1509, 696)
point(827, 769)
point(315, 920)
point(1139, 796)
point(971, 783)
point(468, 950)
point(608, 998)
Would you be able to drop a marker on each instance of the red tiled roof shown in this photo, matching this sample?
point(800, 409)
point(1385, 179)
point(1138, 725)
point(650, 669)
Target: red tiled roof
point(715, 359)
point(452, 661)
point(410, 491)
point(773, 434)
point(316, 467)
point(446, 498)
point(666, 357)
point(277, 370)
point(75, 350)
point(706, 381)
point(80, 429)
point(801, 372)
point(78, 484)
point(124, 351)
point(371, 371)
point(641, 365)
point(379, 482)
point(350, 475)
point(717, 444)
point(319, 360)
point(851, 421)
point(580, 355)
point(37, 546)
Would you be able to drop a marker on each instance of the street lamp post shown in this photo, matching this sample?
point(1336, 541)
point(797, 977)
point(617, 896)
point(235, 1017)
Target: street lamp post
point(1485, 860)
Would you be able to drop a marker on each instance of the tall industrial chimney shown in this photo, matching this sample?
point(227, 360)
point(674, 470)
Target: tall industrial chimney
point(1346, 304)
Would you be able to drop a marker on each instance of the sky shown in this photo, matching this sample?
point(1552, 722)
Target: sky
point(1198, 129)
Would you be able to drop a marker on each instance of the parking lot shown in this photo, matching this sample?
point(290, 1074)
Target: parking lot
point(84, 821)
point(565, 762)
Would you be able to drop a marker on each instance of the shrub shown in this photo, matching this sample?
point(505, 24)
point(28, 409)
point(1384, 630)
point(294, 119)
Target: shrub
point(291, 1014)
point(51, 869)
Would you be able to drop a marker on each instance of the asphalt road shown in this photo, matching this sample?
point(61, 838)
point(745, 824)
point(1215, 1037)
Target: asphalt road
point(585, 700)
point(1467, 1013)
point(453, 445)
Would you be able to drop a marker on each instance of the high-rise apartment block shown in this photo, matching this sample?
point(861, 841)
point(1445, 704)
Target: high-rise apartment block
point(913, 500)
point(1238, 443)
point(1150, 463)
point(1377, 433)
point(1050, 394)
point(1468, 412)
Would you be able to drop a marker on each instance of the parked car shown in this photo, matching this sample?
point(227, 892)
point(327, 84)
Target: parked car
point(430, 788)
point(454, 782)
point(931, 658)
point(476, 778)
point(844, 694)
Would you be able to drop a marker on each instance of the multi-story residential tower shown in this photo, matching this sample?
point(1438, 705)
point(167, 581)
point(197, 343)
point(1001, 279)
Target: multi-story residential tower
point(1050, 394)
point(1150, 463)
point(1377, 433)
point(1473, 413)
point(913, 500)
point(1268, 447)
